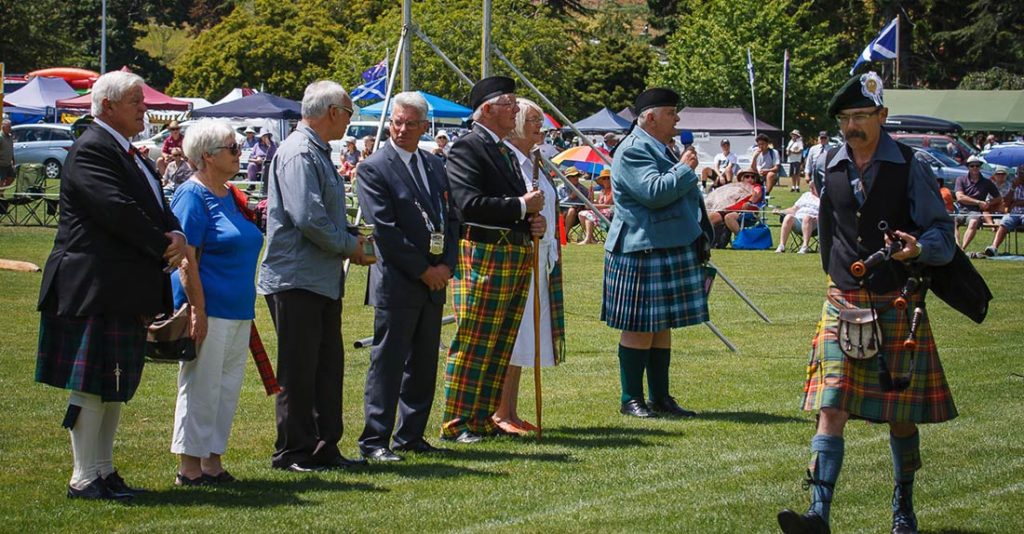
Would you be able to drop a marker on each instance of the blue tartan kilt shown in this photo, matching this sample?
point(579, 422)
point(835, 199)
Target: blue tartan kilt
point(654, 290)
point(102, 355)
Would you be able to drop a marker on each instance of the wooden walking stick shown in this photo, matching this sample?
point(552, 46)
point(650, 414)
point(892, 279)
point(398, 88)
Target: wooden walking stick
point(538, 404)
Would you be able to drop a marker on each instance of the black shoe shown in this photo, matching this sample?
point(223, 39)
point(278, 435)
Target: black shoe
point(904, 521)
point(340, 462)
point(182, 480)
point(116, 484)
point(810, 523)
point(636, 408)
point(420, 447)
point(381, 454)
point(466, 438)
point(222, 478)
point(301, 467)
point(97, 490)
point(668, 406)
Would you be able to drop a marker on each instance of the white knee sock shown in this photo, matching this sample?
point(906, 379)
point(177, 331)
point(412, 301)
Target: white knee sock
point(85, 437)
point(105, 450)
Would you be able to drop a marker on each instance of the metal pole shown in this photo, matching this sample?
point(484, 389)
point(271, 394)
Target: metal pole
point(753, 101)
point(407, 51)
point(739, 292)
point(103, 38)
point(442, 55)
point(383, 116)
point(896, 82)
point(551, 105)
point(785, 60)
point(485, 48)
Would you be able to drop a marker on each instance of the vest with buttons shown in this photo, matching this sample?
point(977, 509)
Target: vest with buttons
point(850, 232)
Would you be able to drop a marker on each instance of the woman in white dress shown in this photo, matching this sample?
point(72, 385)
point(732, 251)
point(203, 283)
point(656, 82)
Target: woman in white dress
point(523, 139)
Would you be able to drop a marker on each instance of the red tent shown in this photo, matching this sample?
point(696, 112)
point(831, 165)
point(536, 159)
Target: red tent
point(154, 100)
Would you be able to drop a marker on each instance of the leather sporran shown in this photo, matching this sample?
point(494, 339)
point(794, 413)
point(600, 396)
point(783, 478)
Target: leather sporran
point(859, 335)
point(168, 339)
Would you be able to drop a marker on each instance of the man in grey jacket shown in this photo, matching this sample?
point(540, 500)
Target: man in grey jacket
point(308, 239)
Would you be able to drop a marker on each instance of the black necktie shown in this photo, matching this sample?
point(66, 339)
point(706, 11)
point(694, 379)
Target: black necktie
point(421, 184)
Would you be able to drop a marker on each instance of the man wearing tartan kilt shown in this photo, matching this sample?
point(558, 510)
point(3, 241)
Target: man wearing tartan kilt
point(104, 277)
point(870, 179)
point(654, 255)
point(492, 277)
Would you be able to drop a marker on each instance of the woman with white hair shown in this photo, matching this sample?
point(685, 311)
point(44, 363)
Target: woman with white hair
point(217, 283)
point(522, 141)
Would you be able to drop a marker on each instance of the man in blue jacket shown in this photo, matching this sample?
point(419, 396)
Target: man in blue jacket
point(653, 254)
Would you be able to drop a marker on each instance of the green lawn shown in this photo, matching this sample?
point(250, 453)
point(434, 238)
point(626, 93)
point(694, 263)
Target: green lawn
point(730, 470)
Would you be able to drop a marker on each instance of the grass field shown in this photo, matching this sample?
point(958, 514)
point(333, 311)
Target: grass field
point(730, 470)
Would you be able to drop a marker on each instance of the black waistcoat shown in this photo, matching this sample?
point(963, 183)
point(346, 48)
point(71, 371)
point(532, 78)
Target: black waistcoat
point(849, 232)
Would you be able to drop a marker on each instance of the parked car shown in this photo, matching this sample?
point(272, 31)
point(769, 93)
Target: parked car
point(47, 144)
point(938, 142)
point(944, 166)
point(358, 130)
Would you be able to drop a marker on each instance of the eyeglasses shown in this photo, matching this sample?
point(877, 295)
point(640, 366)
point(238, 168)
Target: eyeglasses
point(233, 148)
point(344, 108)
point(856, 118)
point(407, 124)
point(538, 120)
point(974, 165)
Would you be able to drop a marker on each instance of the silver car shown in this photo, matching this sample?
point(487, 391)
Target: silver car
point(42, 143)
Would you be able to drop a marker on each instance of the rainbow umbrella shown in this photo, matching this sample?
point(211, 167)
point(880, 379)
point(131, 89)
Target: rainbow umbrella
point(583, 157)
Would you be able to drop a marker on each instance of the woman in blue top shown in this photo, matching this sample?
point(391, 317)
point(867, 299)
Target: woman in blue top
point(217, 281)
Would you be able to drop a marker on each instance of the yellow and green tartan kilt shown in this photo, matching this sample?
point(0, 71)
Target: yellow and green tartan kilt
point(851, 385)
point(489, 289)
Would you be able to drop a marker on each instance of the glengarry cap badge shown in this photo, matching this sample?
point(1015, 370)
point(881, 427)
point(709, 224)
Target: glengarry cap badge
point(871, 87)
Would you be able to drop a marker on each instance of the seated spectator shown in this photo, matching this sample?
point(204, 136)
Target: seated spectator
point(261, 153)
point(443, 147)
point(973, 192)
point(1003, 185)
point(1014, 201)
point(746, 198)
point(604, 202)
point(178, 170)
point(250, 141)
point(723, 170)
point(947, 196)
point(765, 162)
point(570, 202)
point(349, 158)
point(172, 141)
point(802, 217)
point(368, 142)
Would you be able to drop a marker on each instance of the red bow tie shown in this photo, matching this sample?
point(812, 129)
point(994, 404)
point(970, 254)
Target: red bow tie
point(132, 150)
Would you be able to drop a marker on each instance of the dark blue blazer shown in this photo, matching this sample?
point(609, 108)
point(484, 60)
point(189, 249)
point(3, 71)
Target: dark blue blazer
point(389, 201)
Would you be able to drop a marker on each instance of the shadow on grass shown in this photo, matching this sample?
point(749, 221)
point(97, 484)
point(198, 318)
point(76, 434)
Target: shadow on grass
point(751, 418)
point(501, 456)
point(436, 469)
point(605, 437)
point(952, 531)
point(250, 493)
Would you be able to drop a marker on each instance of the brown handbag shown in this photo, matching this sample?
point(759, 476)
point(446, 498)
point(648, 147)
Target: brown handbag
point(168, 339)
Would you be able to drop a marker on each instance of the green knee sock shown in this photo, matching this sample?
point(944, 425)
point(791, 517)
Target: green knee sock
point(657, 373)
point(826, 462)
point(906, 457)
point(632, 363)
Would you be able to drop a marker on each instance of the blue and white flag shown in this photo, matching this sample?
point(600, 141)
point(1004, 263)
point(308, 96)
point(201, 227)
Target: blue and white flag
point(750, 69)
point(884, 46)
point(376, 83)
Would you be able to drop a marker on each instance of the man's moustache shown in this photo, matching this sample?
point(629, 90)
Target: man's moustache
point(856, 134)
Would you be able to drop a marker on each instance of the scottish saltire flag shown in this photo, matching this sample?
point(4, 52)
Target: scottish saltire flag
point(750, 69)
point(376, 78)
point(882, 47)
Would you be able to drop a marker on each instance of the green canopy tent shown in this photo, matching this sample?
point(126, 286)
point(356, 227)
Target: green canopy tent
point(974, 110)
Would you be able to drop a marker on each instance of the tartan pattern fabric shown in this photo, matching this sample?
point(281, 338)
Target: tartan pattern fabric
point(836, 381)
point(102, 355)
point(557, 311)
point(650, 291)
point(490, 286)
point(262, 361)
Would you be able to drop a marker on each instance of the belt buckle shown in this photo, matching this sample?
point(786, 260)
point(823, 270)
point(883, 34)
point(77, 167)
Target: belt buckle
point(503, 237)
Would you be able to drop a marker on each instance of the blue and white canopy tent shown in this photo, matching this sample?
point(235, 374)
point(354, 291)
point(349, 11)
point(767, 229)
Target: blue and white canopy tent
point(439, 110)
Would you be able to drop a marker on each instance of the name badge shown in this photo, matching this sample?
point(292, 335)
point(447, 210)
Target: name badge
point(436, 243)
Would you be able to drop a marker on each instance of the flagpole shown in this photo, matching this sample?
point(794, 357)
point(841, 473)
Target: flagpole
point(896, 83)
point(750, 77)
point(785, 72)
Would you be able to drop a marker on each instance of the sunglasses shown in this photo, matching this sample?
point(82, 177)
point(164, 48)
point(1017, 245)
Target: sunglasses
point(233, 148)
point(974, 165)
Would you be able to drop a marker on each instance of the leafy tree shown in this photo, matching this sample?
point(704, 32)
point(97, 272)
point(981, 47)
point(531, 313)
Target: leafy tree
point(537, 45)
point(279, 46)
point(994, 78)
point(707, 62)
point(565, 8)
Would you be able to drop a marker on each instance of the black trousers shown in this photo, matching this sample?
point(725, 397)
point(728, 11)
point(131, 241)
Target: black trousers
point(310, 369)
point(402, 375)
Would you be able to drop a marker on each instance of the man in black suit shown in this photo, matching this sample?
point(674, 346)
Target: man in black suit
point(493, 275)
point(105, 275)
point(403, 192)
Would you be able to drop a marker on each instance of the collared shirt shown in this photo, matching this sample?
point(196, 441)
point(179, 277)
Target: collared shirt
point(794, 150)
point(153, 181)
point(926, 207)
point(406, 156)
point(980, 189)
point(497, 140)
point(307, 226)
point(548, 211)
point(816, 158)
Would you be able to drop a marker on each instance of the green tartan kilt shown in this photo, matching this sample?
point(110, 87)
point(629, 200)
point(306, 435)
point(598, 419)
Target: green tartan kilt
point(489, 294)
point(851, 385)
